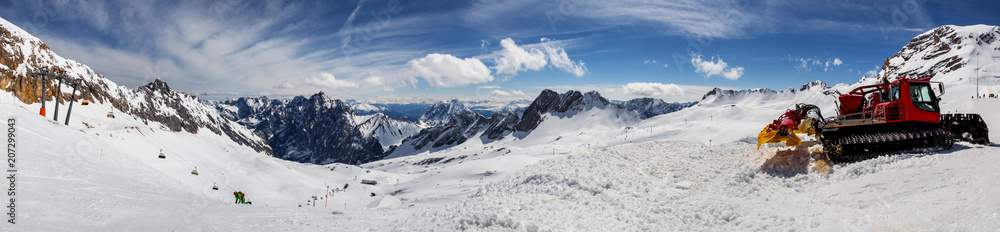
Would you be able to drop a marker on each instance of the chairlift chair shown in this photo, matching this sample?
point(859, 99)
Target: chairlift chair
point(215, 187)
point(111, 114)
point(162, 156)
point(195, 171)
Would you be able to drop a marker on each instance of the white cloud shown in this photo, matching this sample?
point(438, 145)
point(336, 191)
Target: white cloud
point(489, 87)
point(498, 92)
point(649, 62)
point(834, 62)
point(514, 59)
point(713, 68)
point(559, 59)
point(873, 73)
point(327, 80)
point(666, 65)
point(807, 64)
point(373, 80)
point(501, 93)
point(443, 70)
point(285, 85)
point(652, 89)
point(803, 65)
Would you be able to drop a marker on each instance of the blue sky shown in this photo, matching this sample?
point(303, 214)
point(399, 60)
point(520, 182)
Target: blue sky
point(674, 50)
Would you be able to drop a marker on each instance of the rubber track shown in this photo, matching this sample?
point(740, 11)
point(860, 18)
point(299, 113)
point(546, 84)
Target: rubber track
point(866, 146)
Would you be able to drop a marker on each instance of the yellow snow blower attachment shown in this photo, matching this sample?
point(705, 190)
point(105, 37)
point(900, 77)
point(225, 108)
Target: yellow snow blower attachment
point(785, 128)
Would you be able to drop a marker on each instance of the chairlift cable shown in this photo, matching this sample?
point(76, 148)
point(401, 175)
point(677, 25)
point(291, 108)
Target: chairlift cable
point(177, 155)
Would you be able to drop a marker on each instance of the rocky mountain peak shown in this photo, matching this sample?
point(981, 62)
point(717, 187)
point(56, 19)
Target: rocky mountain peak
point(157, 85)
point(943, 50)
point(815, 84)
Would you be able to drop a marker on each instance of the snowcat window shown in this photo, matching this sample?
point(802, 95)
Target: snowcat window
point(923, 97)
point(895, 92)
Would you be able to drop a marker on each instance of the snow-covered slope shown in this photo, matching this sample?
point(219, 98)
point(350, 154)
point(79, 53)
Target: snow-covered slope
point(689, 186)
point(105, 175)
point(22, 54)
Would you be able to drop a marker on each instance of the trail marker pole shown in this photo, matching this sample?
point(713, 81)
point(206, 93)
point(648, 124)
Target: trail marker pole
point(327, 197)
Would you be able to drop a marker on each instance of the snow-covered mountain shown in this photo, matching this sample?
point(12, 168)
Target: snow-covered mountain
point(388, 131)
point(366, 109)
point(944, 50)
point(318, 129)
point(441, 112)
point(489, 107)
point(953, 55)
point(651, 107)
point(549, 104)
point(568, 105)
point(22, 54)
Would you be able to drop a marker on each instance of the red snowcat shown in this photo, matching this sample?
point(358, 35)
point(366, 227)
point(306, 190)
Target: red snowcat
point(879, 119)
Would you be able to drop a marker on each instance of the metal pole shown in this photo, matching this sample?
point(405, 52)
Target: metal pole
point(72, 99)
point(55, 116)
point(42, 111)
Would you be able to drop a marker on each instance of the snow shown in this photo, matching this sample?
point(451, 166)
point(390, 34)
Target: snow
point(683, 186)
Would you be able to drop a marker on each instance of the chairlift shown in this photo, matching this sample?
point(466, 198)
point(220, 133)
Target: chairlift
point(85, 103)
point(162, 156)
point(195, 171)
point(111, 114)
point(215, 187)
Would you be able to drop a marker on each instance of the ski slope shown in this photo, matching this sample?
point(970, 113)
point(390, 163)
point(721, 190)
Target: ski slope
point(109, 178)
